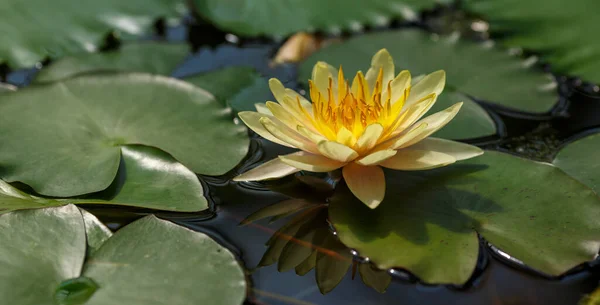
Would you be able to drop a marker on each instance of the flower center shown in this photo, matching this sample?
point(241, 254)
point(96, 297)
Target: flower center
point(349, 110)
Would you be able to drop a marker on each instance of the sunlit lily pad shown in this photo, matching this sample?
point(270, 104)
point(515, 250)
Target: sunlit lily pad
point(563, 34)
point(65, 139)
point(581, 160)
point(473, 69)
point(12, 199)
point(429, 220)
point(149, 57)
point(43, 264)
point(36, 29)
point(281, 18)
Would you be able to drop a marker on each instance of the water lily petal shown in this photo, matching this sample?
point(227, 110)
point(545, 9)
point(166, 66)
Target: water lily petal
point(402, 138)
point(458, 150)
point(311, 162)
point(376, 157)
point(409, 160)
point(369, 137)
point(435, 122)
point(306, 104)
point(288, 135)
point(346, 137)
point(411, 115)
point(432, 83)
point(268, 170)
point(262, 108)
point(381, 60)
point(252, 120)
point(367, 183)
point(398, 85)
point(321, 74)
point(277, 89)
point(282, 115)
point(313, 136)
point(337, 151)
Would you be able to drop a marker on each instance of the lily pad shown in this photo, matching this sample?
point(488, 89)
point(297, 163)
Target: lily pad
point(62, 28)
point(237, 87)
point(276, 18)
point(44, 251)
point(72, 143)
point(149, 57)
point(580, 159)
point(178, 267)
point(471, 122)
point(150, 178)
point(563, 34)
point(41, 248)
point(12, 199)
point(473, 69)
point(429, 221)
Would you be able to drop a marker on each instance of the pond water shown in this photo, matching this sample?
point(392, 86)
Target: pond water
point(498, 280)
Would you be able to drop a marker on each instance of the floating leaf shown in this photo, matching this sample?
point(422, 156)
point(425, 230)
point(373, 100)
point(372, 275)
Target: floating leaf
point(429, 221)
point(580, 159)
point(73, 144)
point(178, 267)
point(591, 299)
point(149, 57)
point(63, 27)
point(250, 18)
point(237, 87)
point(563, 34)
point(150, 178)
point(40, 249)
point(44, 250)
point(97, 233)
point(12, 199)
point(473, 69)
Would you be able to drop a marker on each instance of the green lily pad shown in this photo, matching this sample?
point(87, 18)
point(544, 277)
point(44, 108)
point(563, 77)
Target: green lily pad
point(150, 178)
point(473, 69)
point(41, 248)
point(563, 34)
point(12, 199)
point(429, 221)
point(149, 57)
point(276, 18)
point(97, 233)
point(237, 87)
point(581, 160)
point(471, 122)
point(42, 263)
point(178, 267)
point(72, 145)
point(62, 27)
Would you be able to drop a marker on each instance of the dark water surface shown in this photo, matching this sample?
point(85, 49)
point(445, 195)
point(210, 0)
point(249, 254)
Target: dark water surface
point(497, 280)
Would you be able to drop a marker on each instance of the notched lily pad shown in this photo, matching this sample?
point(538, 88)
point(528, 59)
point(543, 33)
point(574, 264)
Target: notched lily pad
point(44, 251)
point(473, 69)
point(64, 27)
point(148, 57)
point(65, 139)
point(429, 220)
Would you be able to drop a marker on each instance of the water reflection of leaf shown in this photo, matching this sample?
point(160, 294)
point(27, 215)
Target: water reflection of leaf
point(306, 241)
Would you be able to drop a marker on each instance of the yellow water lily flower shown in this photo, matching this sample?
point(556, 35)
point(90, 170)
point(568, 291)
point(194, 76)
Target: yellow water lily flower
point(374, 122)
